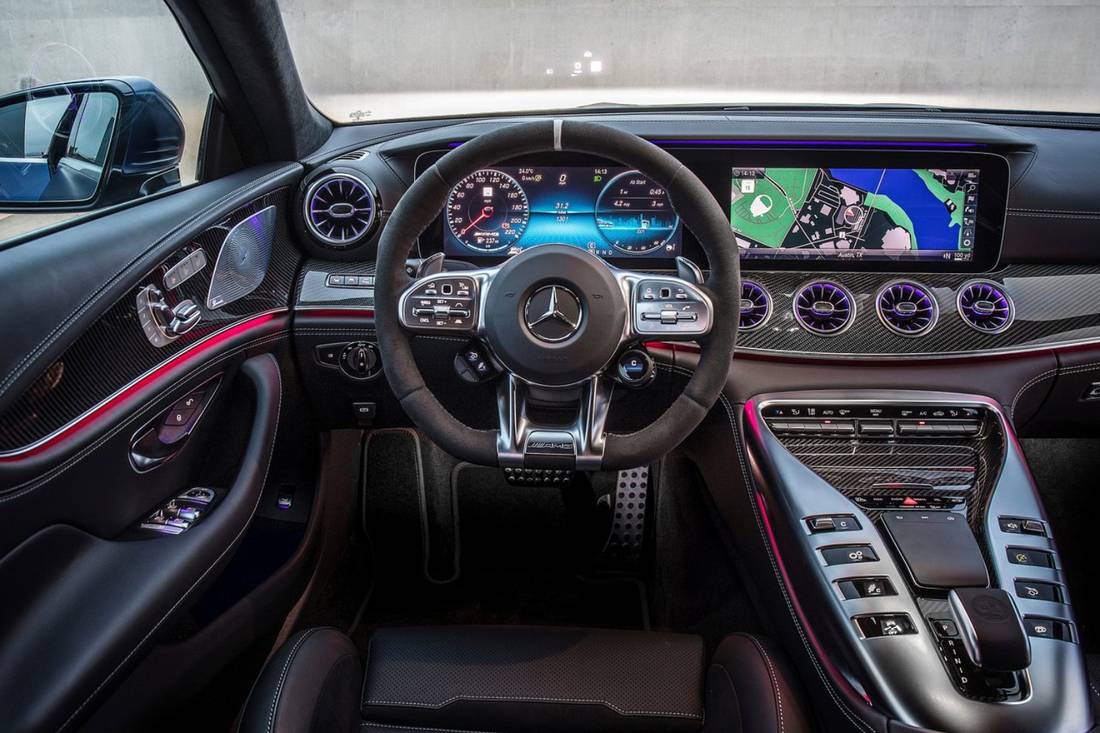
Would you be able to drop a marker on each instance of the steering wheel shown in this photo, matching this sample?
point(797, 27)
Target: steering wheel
point(555, 316)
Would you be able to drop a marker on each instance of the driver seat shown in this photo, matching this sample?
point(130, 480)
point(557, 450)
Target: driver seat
point(507, 679)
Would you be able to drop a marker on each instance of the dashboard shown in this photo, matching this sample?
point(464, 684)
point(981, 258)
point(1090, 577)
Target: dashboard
point(894, 244)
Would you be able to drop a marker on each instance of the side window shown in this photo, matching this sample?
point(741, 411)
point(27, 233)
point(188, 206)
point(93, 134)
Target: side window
point(100, 103)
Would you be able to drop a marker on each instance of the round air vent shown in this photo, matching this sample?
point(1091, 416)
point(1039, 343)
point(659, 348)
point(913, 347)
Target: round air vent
point(824, 308)
point(340, 209)
point(985, 306)
point(756, 305)
point(907, 308)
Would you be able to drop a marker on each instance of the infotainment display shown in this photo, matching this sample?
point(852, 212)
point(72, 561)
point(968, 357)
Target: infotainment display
point(610, 211)
point(901, 214)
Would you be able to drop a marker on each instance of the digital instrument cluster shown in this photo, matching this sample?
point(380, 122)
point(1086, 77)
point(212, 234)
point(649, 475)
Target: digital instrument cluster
point(609, 211)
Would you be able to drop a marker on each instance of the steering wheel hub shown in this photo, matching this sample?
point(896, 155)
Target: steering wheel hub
point(554, 315)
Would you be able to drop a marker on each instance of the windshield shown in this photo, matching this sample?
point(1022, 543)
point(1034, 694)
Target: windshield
point(371, 59)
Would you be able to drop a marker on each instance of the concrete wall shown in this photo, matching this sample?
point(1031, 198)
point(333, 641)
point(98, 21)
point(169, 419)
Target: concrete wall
point(373, 55)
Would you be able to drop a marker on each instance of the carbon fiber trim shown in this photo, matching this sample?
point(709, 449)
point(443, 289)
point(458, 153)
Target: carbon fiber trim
point(864, 467)
point(115, 351)
point(1054, 304)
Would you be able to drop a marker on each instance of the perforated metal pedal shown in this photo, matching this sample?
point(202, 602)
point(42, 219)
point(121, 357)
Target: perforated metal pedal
point(627, 538)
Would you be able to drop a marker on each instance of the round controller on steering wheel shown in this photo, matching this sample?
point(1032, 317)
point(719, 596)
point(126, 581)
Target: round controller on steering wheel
point(555, 316)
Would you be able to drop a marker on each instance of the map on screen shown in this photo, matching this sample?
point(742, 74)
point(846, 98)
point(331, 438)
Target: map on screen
point(803, 213)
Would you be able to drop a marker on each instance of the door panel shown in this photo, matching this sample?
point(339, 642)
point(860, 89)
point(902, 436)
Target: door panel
point(87, 591)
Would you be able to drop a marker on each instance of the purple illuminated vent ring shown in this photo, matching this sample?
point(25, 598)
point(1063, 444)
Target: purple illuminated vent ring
point(756, 305)
point(985, 306)
point(907, 308)
point(824, 307)
point(340, 209)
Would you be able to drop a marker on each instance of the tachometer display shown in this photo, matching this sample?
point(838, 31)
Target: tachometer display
point(635, 214)
point(487, 211)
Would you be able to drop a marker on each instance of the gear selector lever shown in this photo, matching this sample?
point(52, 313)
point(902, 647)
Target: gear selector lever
point(991, 630)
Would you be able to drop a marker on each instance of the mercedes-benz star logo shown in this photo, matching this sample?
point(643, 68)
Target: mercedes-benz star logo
point(553, 313)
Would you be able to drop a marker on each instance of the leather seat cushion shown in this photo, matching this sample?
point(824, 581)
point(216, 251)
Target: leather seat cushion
point(521, 679)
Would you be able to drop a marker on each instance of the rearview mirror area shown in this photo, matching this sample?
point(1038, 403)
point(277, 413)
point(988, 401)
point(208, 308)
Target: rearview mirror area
point(87, 144)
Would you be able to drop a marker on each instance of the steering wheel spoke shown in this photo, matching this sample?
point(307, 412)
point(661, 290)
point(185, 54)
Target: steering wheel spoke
point(665, 308)
point(446, 302)
point(576, 443)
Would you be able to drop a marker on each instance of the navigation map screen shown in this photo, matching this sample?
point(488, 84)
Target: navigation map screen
point(920, 214)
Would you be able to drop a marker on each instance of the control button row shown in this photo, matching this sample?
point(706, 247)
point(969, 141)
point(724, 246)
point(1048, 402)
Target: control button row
point(812, 427)
point(183, 270)
point(350, 281)
point(848, 554)
point(446, 303)
point(939, 428)
point(884, 411)
point(1020, 525)
point(180, 513)
point(908, 501)
point(833, 523)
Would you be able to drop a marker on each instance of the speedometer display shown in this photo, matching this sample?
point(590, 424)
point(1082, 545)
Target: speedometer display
point(635, 214)
point(487, 211)
point(610, 211)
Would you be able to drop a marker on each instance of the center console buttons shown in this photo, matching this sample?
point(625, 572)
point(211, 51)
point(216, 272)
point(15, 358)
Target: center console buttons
point(848, 554)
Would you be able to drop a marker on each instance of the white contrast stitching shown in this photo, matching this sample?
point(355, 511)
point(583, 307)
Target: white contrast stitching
point(510, 698)
point(230, 546)
point(774, 678)
point(282, 678)
point(1028, 385)
point(749, 486)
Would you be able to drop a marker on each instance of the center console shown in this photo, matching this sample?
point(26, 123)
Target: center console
point(909, 525)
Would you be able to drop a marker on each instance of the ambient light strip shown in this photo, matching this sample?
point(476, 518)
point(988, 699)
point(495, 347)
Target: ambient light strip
point(191, 353)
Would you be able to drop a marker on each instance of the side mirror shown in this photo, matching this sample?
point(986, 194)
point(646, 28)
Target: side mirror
point(87, 144)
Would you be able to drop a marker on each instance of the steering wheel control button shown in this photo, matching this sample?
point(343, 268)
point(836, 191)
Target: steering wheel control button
point(833, 523)
point(442, 302)
point(885, 624)
point(848, 554)
point(635, 369)
point(670, 307)
point(866, 588)
point(359, 360)
point(472, 364)
point(553, 313)
point(1028, 556)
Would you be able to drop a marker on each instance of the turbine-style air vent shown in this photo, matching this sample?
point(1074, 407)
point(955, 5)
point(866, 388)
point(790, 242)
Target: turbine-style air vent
point(756, 305)
point(985, 306)
point(340, 209)
point(907, 308)
point(824, 308)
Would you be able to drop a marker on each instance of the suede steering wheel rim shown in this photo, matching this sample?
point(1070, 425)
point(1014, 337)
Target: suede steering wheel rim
point(698, 210)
